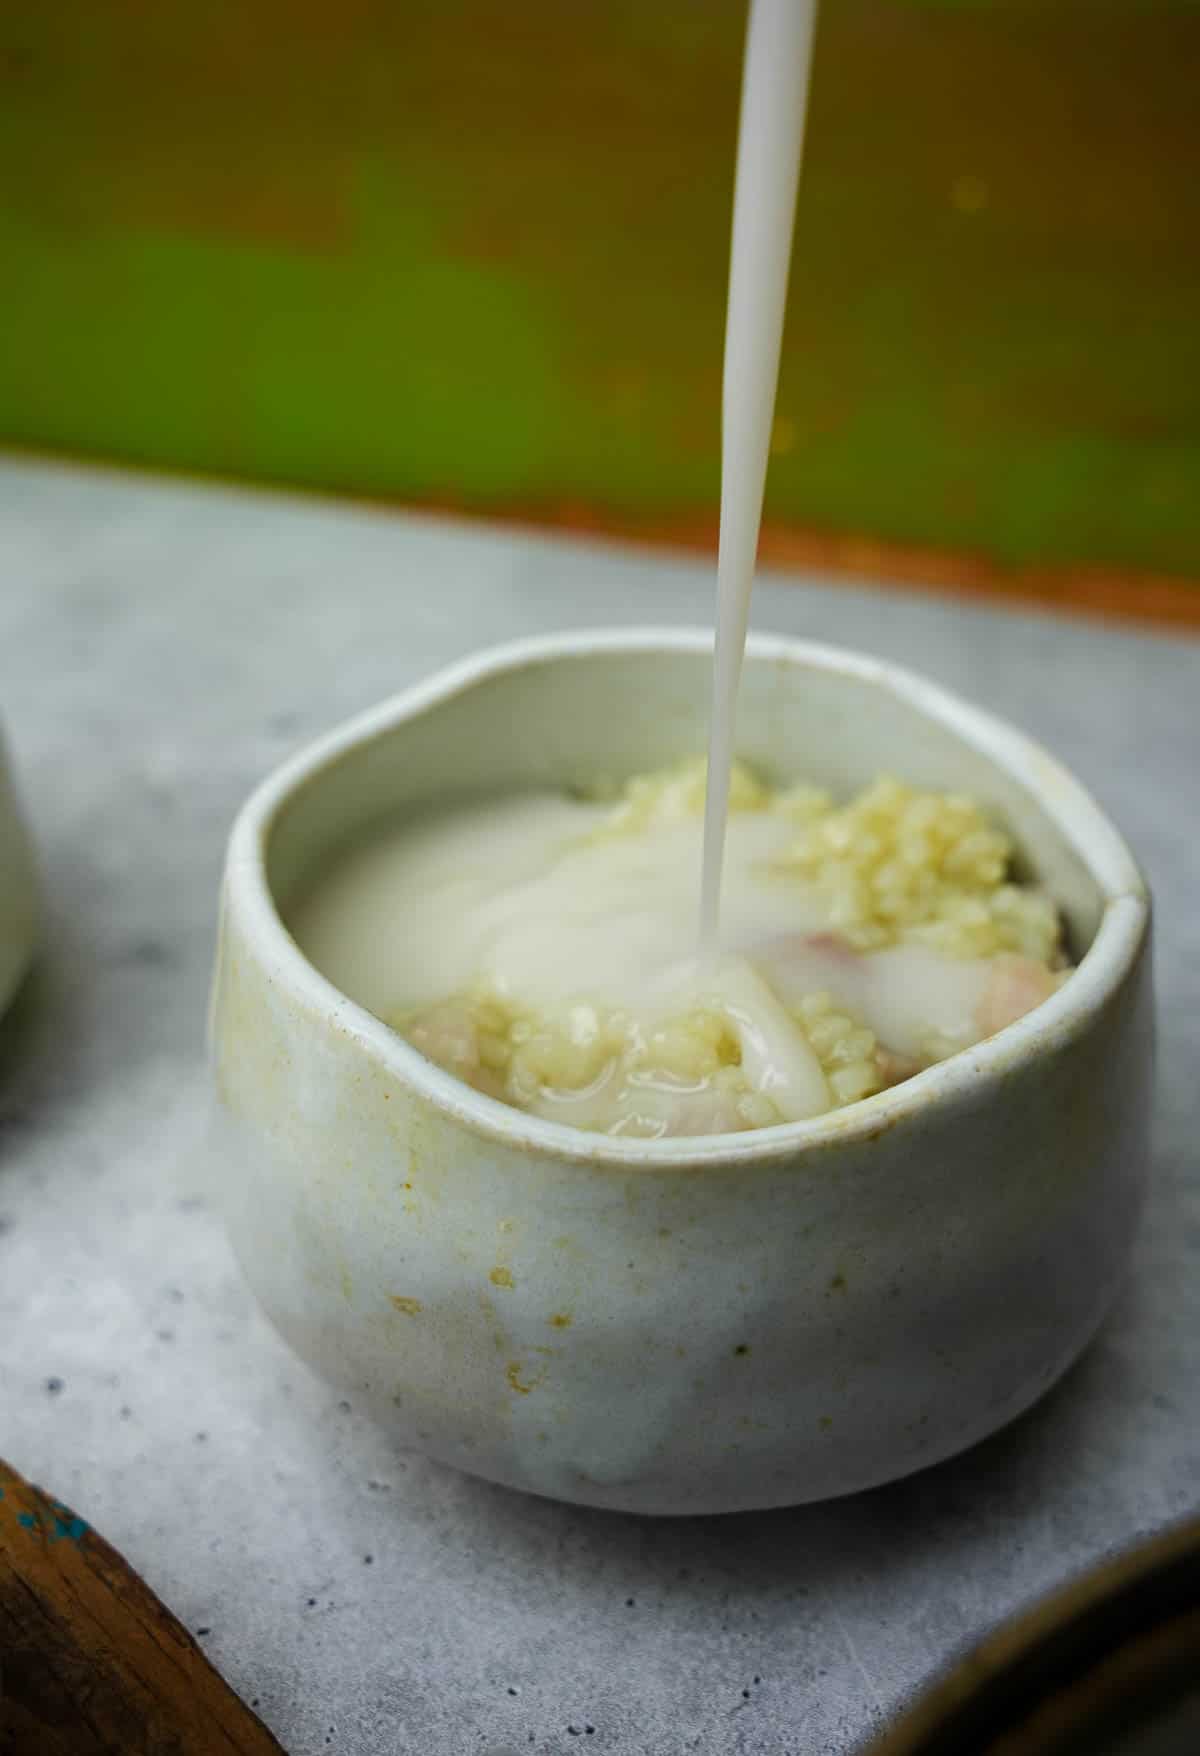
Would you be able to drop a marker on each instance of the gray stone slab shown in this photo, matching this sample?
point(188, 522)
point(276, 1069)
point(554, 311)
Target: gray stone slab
point(162, 646)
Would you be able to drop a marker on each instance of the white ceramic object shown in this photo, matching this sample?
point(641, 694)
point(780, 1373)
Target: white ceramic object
point(680, 1326)
point(18, 889)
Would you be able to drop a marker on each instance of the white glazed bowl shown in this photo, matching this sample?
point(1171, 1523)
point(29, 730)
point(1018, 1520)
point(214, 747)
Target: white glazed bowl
point(705, 1325)
point(18, 889)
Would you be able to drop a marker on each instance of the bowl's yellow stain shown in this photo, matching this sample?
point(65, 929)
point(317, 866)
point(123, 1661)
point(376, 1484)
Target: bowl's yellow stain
point(410, 1307)
point(561, 1320)
point(515, 1382)
point(502, 1277)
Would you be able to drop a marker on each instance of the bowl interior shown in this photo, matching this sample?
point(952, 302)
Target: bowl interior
point(565, 718)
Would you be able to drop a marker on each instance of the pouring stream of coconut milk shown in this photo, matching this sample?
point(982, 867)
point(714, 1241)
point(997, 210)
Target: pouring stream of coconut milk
point(543, 948)
point(774, 100)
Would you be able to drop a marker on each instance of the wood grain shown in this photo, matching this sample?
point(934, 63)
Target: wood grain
point(91, 1663)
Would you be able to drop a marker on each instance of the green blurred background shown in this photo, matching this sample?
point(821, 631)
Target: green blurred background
point(474, 254)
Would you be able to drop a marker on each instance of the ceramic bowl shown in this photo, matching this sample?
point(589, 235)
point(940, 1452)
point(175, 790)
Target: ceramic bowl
point(700, 1325)
point(18, 889)
point(1107, 1666)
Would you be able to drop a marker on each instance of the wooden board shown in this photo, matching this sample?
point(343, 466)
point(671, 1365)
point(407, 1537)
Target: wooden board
point(91, 1663)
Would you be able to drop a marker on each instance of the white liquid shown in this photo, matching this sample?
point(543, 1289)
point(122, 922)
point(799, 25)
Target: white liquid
point(534, 904)
point(774, 101)
point(520, 898)
point(517, 893)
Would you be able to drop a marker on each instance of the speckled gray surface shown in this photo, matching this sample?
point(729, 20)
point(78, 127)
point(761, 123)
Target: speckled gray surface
point(161, 646)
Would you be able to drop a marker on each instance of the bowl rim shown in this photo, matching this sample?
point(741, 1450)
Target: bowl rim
point(1050, 1648)
point(1105, 964)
